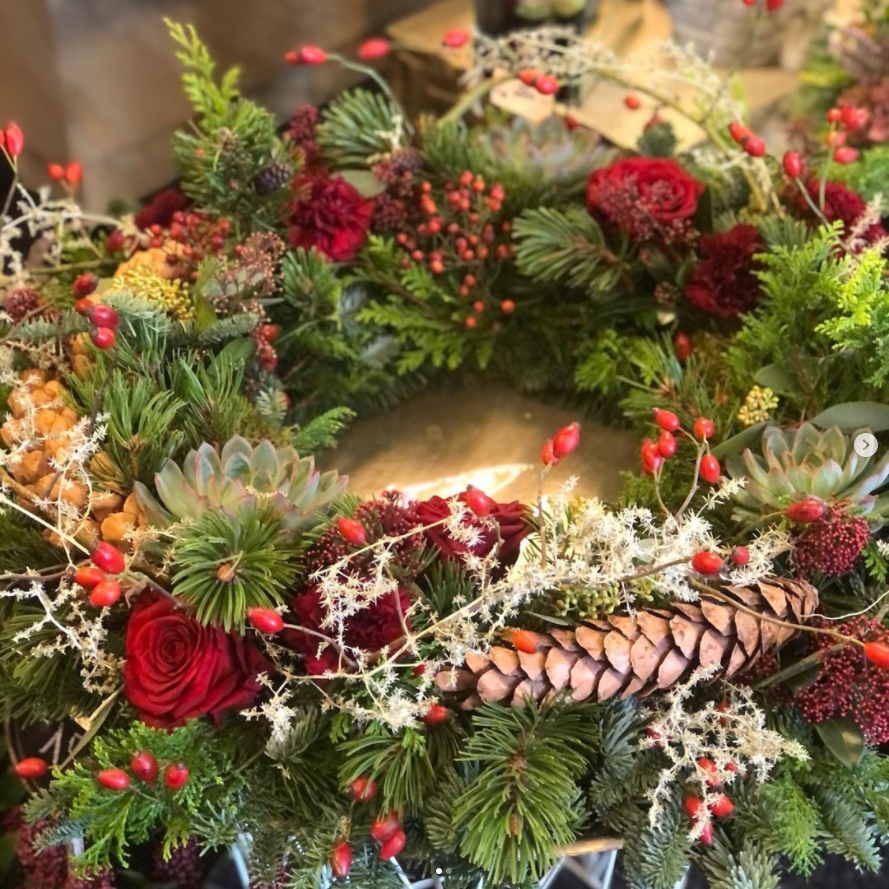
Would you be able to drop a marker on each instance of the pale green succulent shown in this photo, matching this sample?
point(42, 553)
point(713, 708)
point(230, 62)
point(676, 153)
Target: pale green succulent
point(796, 464)
point(237, 480)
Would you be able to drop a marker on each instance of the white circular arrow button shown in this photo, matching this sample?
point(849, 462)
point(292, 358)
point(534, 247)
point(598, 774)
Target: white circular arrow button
point(865, 444)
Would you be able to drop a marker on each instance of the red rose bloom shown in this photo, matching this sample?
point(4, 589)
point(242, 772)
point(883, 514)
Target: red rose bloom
point(511, 517)
point(649, 198)
point(723, 282)
point(370, 629)
point(841, 204)
point(331, 216)
point(178, 669)
point(160, 209)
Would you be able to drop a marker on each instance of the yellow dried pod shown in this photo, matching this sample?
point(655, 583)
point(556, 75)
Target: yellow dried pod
point(33, 376)
point(45, 421)
point(32, 466)
point(105, 503)
point(117, 526)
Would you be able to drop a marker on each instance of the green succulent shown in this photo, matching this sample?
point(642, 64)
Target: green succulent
point(239, 479)
point(804, 462)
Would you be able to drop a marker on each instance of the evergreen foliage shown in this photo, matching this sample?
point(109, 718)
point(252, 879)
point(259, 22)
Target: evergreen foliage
point(359, 125)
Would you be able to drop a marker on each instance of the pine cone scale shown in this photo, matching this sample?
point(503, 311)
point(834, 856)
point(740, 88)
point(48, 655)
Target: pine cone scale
point(625, 655)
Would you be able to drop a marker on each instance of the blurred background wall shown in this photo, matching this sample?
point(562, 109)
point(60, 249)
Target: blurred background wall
point(97, 80)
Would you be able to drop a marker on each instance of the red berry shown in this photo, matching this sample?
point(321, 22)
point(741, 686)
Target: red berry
point(877, 653)
point(455, 38)
point(374, 49)
point(479, 502)
point(84, 284)
point(312, 55)
point(84, 306)
point(666, 445)
point(547, 85)
point(352, 531)
point(266, 620)
point(114, 779)
point(15, 139)
point(738, 131)
point(524, 641)
point(109, 559)
point(835, 115)
point(547, 457)
point(393, 845)
point(682, 345)
point(144, 766)
point(793, 164)
point(650, 454)
point(755, 146)
point(772, 5)
point(710, 469)
point(384, 826)
point(693, 806)
point(363, 790)
point(105, 593)
point(740, 556)
point(632, 101)
point(74, 173)
point(32, 767)
point(528, 76)
point(56, 172)
point(103, 338)
point(566, 440)
point(436, 715)
point(507, 307)
point(854, 118)
point(845, 155)
point(341, 859)
point(707, 563)
point(104, 316)
point(720, 805)
point(176, 776)
point(115, 242)
point(704, 428)
point(88, 576)
point(652, 465)
point(667, 420)
point(706, 765)
point(471, 322)
point(707, 835)
point(292, 57)
point(804, 511)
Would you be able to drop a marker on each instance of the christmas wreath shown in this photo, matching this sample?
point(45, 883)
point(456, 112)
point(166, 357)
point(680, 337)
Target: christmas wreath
point(359, 689)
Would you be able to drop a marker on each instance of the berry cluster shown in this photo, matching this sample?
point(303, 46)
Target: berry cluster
point(717, 804)
point(851, 682)
point(183, 869)
point(385, 829)
point(655, 453)
point(265, 335)
point(197, 234)
point(145, 767)
point(458, 235)
point(563, 443)
point(22, 303)
point(104, 319)
point(832, 540)
point(397, 207)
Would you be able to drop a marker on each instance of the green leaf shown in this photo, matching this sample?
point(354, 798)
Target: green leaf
point(776, 378)
point(364, 182)
point(843, 738)
point(239, 351)
point(204, 315)
point(750, 436)
point(854, 415)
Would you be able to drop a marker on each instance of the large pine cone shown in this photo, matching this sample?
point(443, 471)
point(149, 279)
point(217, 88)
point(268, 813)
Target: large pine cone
point(622, 655)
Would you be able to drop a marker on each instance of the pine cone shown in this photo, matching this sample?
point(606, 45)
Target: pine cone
point(622, 655)
point(272, 177)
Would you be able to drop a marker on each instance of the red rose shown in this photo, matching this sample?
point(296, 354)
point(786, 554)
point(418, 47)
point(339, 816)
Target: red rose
point(511, 517)
point(841, 204)
point(649, 198)
point(723, 282)
point(376, 625)
point(331, 216)
point(178, 669)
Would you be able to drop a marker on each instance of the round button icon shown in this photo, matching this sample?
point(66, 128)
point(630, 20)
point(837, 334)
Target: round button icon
point(865, 444)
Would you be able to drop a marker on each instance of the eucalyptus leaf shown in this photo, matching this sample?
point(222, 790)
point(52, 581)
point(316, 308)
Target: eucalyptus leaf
point(748, 438)
point(843, 738)
point(364, 182)
point(776, 378)
point(854, 415)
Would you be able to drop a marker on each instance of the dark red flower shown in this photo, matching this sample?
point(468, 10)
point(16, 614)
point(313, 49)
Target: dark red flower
point(511, 517)
point(649, 198)
point(841, 204)
point(723, 282)
point(160, 209)
point(371, 628)
point(178, 669)
point(330, 215)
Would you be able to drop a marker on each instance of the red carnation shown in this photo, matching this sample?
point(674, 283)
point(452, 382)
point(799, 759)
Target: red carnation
point(374, 626)
point(331, 216)
point(841, 204)
point(511, 518)
point(649, 198)
point(160, 209)
point(724, 283)
point(178, 669)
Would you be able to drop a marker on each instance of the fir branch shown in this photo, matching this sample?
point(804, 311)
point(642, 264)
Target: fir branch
point(359, 125)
